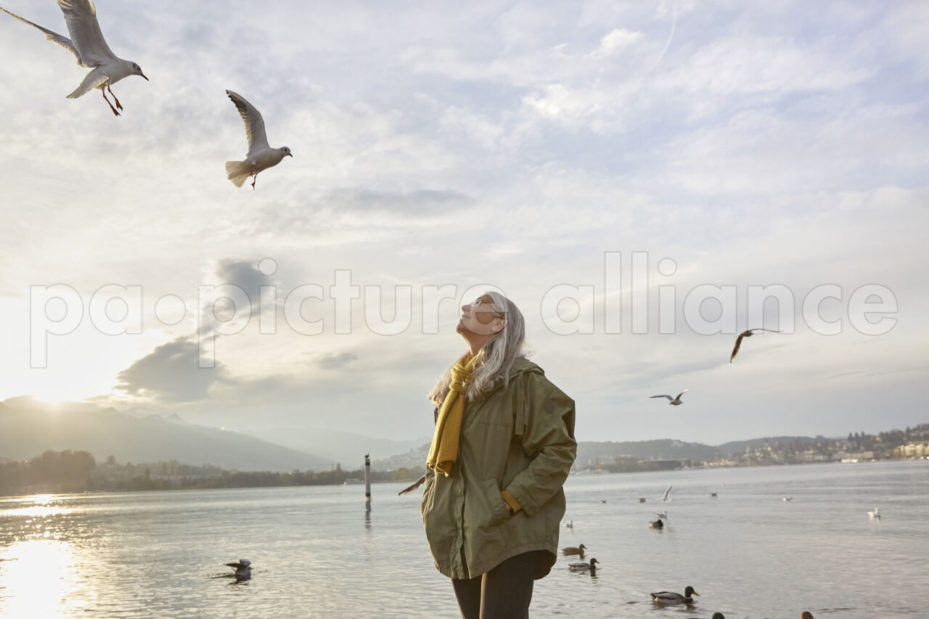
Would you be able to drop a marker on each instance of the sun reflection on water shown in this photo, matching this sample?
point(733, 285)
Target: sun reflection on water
point(36, 506)
point(36, 576)
point(39, 571)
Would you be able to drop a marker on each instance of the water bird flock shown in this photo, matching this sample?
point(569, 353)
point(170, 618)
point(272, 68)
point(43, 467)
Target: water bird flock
point(659, 598)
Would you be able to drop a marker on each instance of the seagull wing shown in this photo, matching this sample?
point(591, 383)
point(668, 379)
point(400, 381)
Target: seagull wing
point(678, 398)
point(416, 484)
point(747, 333)
point(738, 343)
point(662, 396)
point(667, 493)
point(63, 41)
point(81, 16)
point(254, 124)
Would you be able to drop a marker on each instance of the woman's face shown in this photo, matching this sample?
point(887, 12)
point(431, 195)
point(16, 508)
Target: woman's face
point(479, 317)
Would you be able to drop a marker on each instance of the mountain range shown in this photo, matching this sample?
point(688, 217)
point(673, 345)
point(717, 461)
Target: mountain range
point(591, 452)
point(28, 428)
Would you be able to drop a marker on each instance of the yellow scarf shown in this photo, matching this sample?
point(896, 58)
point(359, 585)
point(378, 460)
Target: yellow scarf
point(444, 450)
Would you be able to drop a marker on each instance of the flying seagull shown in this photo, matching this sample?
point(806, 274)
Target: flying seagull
point(416, 484)
point(672, 401)
point(243, 570)
point(746, 333)
point(260, 155)
point(667, 494)
point(90, 48)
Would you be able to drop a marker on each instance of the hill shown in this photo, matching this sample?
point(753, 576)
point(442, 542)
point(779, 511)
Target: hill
point(28, 429)
point(345, 448)
point(736, 447)
point(591, 453)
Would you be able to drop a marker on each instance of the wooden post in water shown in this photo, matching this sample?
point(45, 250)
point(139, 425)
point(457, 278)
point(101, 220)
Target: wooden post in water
point(367, 483)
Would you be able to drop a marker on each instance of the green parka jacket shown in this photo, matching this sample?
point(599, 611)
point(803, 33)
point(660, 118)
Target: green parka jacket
point(520, 439)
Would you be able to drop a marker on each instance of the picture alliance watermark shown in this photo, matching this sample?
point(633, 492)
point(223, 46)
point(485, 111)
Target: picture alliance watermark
point(630, 296)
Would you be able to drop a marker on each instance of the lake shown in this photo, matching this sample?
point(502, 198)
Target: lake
point(316, 553)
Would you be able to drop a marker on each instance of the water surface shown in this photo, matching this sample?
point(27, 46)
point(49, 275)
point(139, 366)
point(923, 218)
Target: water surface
point(316, 553)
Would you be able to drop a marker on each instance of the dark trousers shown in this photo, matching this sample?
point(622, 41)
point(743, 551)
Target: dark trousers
point(502, 593)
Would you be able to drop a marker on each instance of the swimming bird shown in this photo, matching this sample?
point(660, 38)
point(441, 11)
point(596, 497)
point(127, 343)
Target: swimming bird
point(718, 616)
point(787, 499)
point(569, 524)
point(746, 333)
point(243, 570)
point(713, 495)
point(574, 550)
point(875, 515)
point(672, 401)
point(416, 484)
point(260, 155)
point(667, 495)
point(806, 615)
point(90, 48)
point(587, 568)
point(670, 597)
point(656, 524)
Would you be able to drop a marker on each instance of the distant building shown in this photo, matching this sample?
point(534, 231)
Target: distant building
point(912, 450)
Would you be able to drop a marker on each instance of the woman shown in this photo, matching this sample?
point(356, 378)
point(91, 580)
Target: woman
point(503, 447)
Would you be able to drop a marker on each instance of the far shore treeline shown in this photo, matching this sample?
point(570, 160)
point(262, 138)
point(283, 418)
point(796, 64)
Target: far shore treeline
point(77, 471)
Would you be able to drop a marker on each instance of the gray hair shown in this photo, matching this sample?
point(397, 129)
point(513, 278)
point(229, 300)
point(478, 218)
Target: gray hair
point(497, 356)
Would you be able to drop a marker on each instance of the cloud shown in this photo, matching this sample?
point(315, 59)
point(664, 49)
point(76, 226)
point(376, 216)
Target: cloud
point(171, 373)
point(416, 202)
point(744, 65)
point(617, 40)
point(335, 361)
point(503, 143)
point(234, 294)
point(246, 275)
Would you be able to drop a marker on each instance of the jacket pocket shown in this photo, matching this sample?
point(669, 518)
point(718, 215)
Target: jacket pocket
point(497, 509)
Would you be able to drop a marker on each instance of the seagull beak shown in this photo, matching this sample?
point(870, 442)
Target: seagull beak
point(143, 75)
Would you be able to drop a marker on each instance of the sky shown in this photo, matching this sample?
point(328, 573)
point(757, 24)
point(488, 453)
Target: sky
point(644, 179)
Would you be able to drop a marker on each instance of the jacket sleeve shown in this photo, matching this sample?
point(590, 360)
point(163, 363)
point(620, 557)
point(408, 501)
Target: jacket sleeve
point(547, 438)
